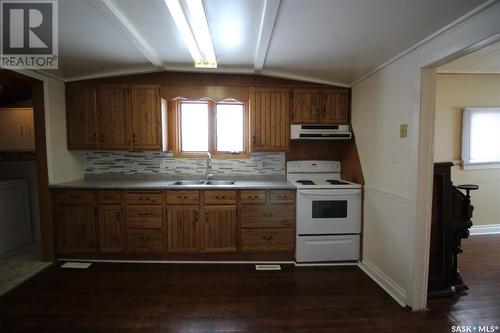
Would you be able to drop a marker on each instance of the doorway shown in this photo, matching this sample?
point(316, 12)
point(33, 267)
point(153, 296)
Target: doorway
point(24, 201)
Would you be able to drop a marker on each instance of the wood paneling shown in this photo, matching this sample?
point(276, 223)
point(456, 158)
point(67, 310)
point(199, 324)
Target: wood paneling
point(82, 121)
point(145, 117)
point(259, 240)
point(111, 229)
point(113, 117)
point(183, 228)
point(269, 119)
point(76, 231)
point(220, 231)
point(220, 197)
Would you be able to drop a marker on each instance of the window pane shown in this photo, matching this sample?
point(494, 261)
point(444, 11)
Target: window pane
point(485, 136)
point(230, 127)
point(194, 127)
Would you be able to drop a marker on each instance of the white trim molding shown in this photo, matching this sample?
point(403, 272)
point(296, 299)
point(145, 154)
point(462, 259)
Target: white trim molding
point(388, 194)
point(485, 229)
point(385, 282)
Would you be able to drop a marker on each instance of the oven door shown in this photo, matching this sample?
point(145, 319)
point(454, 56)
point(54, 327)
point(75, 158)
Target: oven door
point(333, 211)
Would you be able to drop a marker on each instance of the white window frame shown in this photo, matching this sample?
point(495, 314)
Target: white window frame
point(466, 124)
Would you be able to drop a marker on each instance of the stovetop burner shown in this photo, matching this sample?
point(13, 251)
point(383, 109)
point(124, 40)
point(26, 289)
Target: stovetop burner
point(336, 182)
point(306, 182)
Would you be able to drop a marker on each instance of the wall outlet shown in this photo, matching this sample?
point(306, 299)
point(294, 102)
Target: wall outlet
point(403, 130)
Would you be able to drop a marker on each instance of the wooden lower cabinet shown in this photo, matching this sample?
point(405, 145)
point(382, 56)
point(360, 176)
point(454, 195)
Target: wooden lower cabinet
point(111, 229)
point(191, 224)
point(183, 229)
point(219, 231)
point(75, 229)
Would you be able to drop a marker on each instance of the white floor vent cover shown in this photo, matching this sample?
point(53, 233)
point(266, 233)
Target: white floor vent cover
point(268, 267)
point(80, 265)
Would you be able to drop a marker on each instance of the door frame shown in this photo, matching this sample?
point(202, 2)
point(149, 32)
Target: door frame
point(425, 171)
point(39, 88)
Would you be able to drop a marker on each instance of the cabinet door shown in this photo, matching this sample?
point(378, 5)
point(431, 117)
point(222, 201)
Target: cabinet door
point(76, 229)
point(335, 107)
point(16, 132)
point(111, 229)
point(306, 106)
point(270, 120)
point(220, 229)
point(113, 117)
point(82, 117)
point(183, 229)
point(146, 117)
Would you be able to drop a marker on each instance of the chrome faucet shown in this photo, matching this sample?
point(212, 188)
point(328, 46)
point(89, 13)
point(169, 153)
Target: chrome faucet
point(209, 172)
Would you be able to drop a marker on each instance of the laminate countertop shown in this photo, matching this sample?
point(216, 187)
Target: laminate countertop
point(159, 184)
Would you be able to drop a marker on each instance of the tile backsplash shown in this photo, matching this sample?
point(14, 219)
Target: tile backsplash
point(164, 163)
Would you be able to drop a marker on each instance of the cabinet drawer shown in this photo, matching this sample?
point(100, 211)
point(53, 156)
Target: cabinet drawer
point(268, 211)
point(109, 197)
point(145, 240)
point(261, 240)
point(144, 198)
point(181, 197)
point(267, 222)
point(144, 211)
point(145, 222)
point(75, 197)
point(220, 197)
point(253, 197)
point(282, 196)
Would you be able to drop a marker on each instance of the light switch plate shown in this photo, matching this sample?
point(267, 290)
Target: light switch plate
point(403, 130)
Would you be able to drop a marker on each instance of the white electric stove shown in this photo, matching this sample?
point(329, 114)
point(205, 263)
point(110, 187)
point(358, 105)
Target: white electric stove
point(328, 212)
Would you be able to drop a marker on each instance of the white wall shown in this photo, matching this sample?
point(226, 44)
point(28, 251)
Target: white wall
point(380, 103)
point(63, 165)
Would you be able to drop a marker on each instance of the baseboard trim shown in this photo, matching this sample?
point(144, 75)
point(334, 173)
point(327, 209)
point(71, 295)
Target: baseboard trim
point(487, 229)
point(385, 282)
point(175, 261)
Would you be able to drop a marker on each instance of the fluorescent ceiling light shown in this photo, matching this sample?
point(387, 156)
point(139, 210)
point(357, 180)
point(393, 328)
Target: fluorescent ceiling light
point(195, 32)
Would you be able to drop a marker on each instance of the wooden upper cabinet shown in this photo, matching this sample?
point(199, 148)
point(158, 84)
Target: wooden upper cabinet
point(220, 229)
point(113, 117)
point(306, 106)
point(320, 106)
point(335, 106)
point(270, 119)
point(145, 112)
point(82, 117)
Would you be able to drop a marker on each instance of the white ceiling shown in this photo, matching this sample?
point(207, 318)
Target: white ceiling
point(483, 61)
point(333, 41)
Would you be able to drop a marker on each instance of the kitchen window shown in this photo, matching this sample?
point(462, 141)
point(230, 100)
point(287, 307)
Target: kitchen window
point(216, 127)
point(481, 138)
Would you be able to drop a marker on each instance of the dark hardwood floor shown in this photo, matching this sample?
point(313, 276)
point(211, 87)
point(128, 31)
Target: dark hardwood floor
point(235, 298)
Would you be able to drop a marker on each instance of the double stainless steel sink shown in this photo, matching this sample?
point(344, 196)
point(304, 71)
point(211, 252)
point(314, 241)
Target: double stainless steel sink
point(204, 183)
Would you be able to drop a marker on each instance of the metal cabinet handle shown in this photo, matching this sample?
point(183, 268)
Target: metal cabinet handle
point(196, 216)
point(267, 238)
point(133, 138)
point(254, 140)
point(268, 214)
point(185, 197)
point(102, 138)
point(206, 217)
point(117, 216)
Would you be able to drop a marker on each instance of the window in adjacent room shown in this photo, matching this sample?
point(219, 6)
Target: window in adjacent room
point(207, 126)
point(481, 138)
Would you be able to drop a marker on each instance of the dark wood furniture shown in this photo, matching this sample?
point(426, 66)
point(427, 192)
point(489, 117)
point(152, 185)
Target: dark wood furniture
point(451, 220)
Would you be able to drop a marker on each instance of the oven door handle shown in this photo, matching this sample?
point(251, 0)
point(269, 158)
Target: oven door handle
point(329, 193)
